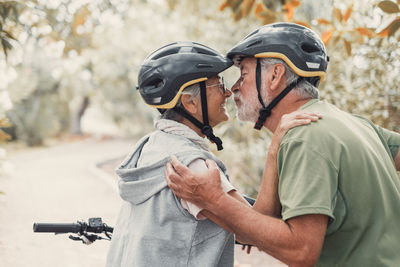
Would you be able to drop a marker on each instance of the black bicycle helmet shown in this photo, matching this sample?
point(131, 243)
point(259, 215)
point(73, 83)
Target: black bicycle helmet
point(298, 46)
point(166, 72)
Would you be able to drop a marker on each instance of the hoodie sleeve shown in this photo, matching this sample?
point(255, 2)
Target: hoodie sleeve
point(199, 165)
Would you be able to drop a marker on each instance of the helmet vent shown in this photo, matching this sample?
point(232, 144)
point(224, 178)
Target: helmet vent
point(166, 53)
point(254, 43)
point(155, 83)
point(309, 48)
point(203, 65)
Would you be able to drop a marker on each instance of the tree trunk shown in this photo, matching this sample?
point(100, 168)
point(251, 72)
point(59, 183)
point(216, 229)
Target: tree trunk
point(76, 117)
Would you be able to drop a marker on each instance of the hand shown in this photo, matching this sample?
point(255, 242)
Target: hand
point(291, 120)
point(248, 248)
point(203, 189)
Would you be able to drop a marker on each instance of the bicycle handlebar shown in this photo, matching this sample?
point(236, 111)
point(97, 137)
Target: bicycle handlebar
point(83, 230)
point(58, 228)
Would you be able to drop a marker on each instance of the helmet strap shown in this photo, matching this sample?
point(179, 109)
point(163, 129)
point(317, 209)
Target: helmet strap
point(205, 127)
point(258, 82)
point(265, 112)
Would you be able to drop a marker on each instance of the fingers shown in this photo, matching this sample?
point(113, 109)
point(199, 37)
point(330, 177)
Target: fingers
point(302, 114)
point(248, 249)
point(294, 119)
point(295, 123)
point(299, 117)
point(211, 164)
point(169, 171)
point(178, 166)
point(171, 176)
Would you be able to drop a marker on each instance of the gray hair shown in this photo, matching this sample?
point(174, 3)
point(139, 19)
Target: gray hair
point(170, 114)
point(304, 89)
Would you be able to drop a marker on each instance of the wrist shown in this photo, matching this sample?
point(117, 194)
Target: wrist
point(216, 202)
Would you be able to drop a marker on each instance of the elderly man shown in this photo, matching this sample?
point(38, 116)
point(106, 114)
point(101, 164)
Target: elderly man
point(337, 199)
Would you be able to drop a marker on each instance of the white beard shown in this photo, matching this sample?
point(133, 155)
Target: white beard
point(249, 110)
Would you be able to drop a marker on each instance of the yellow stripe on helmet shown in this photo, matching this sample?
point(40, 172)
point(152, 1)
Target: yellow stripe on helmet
point(173, 102)
point(298, 71)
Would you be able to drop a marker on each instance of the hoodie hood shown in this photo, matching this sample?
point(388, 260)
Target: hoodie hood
point(142, 174)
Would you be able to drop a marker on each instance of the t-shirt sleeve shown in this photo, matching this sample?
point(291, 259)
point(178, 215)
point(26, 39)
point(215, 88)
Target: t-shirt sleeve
point(392, 139)
point(199, 165)
point(307, 180)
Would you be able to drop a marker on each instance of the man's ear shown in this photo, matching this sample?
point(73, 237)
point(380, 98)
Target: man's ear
point(277, 76)
point(190, 103)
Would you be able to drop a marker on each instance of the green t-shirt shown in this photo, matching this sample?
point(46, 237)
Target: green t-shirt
point(342, 166)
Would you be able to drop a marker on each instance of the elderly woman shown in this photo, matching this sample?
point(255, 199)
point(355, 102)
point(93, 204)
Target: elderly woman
point(155, 228)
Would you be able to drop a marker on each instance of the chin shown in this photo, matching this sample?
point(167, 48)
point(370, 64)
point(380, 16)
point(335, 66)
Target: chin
point(245, 117)
point(225, 118)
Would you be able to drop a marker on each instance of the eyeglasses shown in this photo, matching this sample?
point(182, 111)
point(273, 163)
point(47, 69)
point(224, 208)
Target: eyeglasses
point(221, 85)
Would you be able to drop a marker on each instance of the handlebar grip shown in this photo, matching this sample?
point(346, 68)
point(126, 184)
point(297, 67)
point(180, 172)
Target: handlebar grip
point(249, 199)
point(109, 229)
point(57, 227)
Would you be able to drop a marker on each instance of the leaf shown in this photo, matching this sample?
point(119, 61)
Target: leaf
point(6, 46)
point(357, 36)
point(389, 7)
point(259, 9)
point(348, 12)
point(365, 32)
point(335, 40)
point(234, 4)
point(324, 21)
point(347, 44)
point(237, 15)
point(4, 123)
point(81, 17)
point(223, 6)
point(384, 32)
point(390, 29)
point(295, 3)
point(337, 14)
point(4, 137)
point(265, 15)
point(268, 18)
point(326, 36)
point(303, 23)
point(246, 7)
point(394, 26)
point(288, 8)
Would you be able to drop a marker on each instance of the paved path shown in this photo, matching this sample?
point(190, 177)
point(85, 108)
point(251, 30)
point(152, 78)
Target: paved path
point(60, 184)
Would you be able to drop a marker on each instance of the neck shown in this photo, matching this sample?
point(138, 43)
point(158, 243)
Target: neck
point(288, 104)
point(193, 127)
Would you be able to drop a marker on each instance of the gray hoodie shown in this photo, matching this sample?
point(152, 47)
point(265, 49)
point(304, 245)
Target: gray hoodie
point(153, 229)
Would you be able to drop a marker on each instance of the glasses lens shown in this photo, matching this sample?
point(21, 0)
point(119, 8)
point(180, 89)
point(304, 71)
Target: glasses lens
point(222, 86)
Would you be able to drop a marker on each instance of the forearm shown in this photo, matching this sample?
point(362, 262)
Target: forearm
point(268, 199)
point(397, 161)
point(234, 194)
point(269, 234)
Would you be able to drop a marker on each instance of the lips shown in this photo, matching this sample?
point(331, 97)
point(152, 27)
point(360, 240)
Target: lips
point(236, 97)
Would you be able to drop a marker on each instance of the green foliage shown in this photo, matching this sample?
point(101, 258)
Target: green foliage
point(71, 50)
point(363, 45)
point(9, 13)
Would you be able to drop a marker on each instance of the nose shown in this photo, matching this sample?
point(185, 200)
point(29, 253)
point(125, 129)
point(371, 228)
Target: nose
point(236, 86)
point(228, 93)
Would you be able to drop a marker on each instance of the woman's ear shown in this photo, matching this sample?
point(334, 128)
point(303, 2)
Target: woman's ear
point(190, 104)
